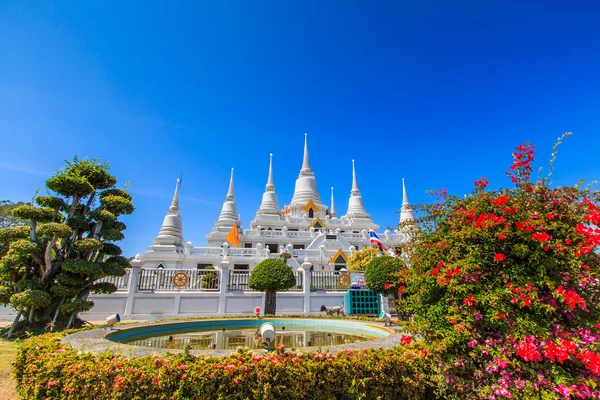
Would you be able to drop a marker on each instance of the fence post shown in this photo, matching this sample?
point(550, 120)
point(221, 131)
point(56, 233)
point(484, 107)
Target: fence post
point(134, 278)
point(224, 265)
point(305, 267)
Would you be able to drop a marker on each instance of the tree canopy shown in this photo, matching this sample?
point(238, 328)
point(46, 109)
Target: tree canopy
point(271, 276)
point(49, 267)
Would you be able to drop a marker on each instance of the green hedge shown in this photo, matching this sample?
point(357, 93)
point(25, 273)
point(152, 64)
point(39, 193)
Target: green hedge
point(45, 368)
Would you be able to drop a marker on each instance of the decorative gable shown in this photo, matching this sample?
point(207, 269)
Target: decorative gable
point(310, 205)
point(340, 257)
point(317, 224)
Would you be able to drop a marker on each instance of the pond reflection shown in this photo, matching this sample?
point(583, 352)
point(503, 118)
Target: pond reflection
point(230, 340)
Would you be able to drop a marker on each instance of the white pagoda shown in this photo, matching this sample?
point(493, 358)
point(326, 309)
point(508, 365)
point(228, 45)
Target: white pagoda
point(307, 229)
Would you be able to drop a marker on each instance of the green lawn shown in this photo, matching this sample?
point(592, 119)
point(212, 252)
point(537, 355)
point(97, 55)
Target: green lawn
point(7, 384)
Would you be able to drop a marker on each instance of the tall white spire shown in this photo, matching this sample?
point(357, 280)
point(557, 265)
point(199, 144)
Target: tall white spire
point(355, 204)
point(229, 214)
point(406, 210)
point(269, 204)
point(306, 185)
point(305, 161)
point(332, 210)
point(171, 232)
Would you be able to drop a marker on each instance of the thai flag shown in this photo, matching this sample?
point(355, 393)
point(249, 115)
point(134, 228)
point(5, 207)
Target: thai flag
point(375, 239)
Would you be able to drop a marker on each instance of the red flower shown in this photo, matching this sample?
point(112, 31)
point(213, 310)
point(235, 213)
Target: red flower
point(470, 301)
point(501, 315)
point(500, 201)
point(482, 183)
point(435, 271)
point(501, 236)
point(499, 257)
point(386, 286)
point(440, 264)
point(405, 340)
point(401, 289)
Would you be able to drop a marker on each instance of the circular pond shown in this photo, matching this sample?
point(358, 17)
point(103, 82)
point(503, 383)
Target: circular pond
point(220, 337)
point(230, 334)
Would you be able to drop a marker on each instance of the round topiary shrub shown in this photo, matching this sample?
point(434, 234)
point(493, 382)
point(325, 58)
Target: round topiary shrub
point(271, 276)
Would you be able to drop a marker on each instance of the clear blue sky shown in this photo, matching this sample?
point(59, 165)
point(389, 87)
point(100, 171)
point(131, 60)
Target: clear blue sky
point(437, 92)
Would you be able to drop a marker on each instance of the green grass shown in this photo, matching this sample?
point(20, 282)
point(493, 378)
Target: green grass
point(7, 383)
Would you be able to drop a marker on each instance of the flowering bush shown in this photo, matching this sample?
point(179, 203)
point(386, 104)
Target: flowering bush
point(46, 368)
point(504, 288)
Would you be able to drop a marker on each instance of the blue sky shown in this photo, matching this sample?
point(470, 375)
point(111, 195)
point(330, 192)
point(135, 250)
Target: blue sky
point(437, 92)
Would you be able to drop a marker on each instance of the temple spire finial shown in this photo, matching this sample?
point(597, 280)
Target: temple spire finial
point(332, 210)
point(305, 161)
point(270, 184)
point(175, 202)
point(354, 184)
point(230, 191)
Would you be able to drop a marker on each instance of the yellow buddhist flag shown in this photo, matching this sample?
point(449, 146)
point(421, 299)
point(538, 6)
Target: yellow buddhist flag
point(233, 238)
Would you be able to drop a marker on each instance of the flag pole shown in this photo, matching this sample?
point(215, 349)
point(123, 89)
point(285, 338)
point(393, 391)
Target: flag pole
point(371, 247)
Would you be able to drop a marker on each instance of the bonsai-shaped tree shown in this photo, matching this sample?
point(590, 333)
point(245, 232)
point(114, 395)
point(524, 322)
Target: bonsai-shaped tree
point(271, 276)
point(381, 276)
point(49, 266)
point(504, 289)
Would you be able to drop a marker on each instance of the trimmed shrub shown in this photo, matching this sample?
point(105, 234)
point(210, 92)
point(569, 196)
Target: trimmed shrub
point(47, 368)
point(271, 276)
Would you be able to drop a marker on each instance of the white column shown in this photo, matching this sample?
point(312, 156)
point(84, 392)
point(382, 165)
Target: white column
point(305, 267)
point(134, 278)
point(224, 265)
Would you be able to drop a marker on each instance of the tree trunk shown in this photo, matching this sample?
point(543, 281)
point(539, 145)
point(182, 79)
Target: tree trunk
point(15, 322)
point(270, 302)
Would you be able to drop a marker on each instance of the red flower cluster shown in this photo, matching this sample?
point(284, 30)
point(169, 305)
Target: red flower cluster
point(500, 200)
point(386, 286)
point(499, 257)
point(485, 221)
point(522, 162)
point(405, 340)
point(591, 361)
point(470, 301)
point(526, 226)
point(501, 236)
point(560, 351)
point(482, 183)
point(541, 237)
point(528, 349)
point(571, 298)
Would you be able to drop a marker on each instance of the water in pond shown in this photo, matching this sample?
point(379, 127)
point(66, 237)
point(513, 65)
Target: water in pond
point(231, 339)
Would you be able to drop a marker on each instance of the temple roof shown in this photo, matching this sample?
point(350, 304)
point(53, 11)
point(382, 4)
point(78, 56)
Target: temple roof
point(406, 210)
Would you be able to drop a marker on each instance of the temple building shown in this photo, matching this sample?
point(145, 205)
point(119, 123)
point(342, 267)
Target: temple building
point(307, 229)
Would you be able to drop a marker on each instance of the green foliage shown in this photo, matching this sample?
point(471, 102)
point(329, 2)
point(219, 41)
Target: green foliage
point(89, 244)
point(83, 267)
point(380, 274)
point(211, 279)
point(82, 214)
point(360, 258)
point(503, 287)
point(76, 306)
point(117, 205)
point(111, 249)
point(7, 220)
point(271, 275)
point(52, 228)
point(115, 266)
point(50, 201)
point(28, 212)
point(48, 368)
point(92, 171)
point(103, 288)
point(70, 185)
point(30, 299)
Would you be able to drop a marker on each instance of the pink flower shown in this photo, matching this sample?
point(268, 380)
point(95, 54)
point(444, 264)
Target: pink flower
point(54, 383)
